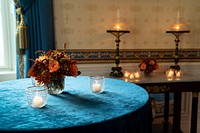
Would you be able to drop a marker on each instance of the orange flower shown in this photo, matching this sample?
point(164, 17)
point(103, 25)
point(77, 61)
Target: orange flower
point(143, 66)
point(53, 66)
point(151, 62)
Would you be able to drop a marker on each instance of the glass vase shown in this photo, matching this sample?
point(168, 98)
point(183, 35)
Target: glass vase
point(57, 86)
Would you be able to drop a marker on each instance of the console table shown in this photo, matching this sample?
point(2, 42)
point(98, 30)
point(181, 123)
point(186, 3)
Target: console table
point(122, 108)
point(159, 83)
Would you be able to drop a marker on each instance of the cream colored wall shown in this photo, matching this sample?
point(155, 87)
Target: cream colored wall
point(82, 24)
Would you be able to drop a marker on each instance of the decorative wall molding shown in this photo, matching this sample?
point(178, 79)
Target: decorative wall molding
point(85, 56)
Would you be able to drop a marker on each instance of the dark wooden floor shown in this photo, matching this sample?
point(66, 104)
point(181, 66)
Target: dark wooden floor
point(158, 128)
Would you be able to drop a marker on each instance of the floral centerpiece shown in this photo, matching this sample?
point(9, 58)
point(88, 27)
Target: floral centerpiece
point(50, 69)
point(148, 65)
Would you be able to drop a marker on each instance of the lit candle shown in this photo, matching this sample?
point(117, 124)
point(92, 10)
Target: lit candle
point(177, 26)
point(170, 73)
point(178, 74)
point(96, 87)
point(131, 76)
point(38, 101)
point(137, 75)
point(126, 74)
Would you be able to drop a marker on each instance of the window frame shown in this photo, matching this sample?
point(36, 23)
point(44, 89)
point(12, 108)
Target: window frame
point(8, 27)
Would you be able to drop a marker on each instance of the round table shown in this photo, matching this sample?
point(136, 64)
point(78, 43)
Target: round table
point(122, 107)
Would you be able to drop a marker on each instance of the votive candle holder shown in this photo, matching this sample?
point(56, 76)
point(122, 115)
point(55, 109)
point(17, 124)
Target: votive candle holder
point(37, 96)
point(97, 84)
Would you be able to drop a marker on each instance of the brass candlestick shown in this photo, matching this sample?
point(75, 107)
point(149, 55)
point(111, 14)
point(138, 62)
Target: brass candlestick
point(177, 40)
point(116, 71)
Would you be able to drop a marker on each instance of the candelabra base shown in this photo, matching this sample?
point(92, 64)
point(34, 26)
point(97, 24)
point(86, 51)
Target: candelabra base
point(116, 72)
point(175, 67)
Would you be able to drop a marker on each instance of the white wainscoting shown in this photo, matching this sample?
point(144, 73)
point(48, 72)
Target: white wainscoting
point(7, 76)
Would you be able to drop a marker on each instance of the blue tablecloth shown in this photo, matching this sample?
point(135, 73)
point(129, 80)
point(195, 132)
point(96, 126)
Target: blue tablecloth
point(122, 107)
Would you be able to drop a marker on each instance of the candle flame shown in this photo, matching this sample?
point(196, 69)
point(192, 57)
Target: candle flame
point(118, 27)
point(177, 27)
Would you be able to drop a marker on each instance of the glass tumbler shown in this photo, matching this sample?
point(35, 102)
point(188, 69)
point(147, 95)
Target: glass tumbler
point(37, 96)
point(97, 84)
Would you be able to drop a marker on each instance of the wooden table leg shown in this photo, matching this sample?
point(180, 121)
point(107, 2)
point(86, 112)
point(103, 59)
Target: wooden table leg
point(193, 127)
point(166, 113)
point(177, 113)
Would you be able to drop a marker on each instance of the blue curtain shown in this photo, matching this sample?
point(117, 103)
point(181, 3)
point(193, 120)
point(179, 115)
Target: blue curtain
point(38, 16)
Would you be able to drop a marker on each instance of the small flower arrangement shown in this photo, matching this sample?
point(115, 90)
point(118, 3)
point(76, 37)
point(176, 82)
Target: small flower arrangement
point(52, 65)
point(148, 65)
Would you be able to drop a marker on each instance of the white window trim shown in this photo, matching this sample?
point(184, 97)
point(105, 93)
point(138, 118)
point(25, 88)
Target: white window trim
point(8, 71)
